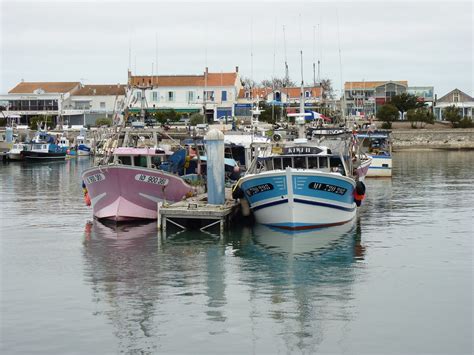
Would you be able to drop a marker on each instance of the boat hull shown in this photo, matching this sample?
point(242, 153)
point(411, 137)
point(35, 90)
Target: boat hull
point(381, 166)
point(32, 155)
point(294, 199)
point(122, 193)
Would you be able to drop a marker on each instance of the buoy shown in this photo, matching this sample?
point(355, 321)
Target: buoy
point(87, 199)
point(359, 193)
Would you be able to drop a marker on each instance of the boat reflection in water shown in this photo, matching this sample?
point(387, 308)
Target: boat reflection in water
point(153, 291)
point(308, 243)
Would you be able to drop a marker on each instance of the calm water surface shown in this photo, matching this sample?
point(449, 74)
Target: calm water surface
point(397, 281)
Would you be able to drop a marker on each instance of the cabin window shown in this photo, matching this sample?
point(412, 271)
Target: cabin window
point(140, 161)
point(277, 163)
point(323, 162)
point(156, 161)
point(125, 160)
point(269, 164)
point(312, 162)
point(299, 162)
point(287, 162)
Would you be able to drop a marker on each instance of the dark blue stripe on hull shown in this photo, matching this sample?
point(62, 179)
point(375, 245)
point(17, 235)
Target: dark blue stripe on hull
point(307, 226)
point(270, 204)
point(274, 203)
point(325, 205)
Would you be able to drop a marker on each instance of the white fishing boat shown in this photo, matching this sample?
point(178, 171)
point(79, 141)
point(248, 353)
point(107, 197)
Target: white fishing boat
point(299, 185)
point(16, 153)
point(378, 146)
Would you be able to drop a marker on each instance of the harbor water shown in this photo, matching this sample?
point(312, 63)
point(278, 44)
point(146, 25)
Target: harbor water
point(399, 280)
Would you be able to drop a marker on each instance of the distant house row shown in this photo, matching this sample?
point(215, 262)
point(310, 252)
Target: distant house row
point(215, 95)
point(365, 97)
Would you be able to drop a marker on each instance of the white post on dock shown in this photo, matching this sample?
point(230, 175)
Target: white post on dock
point(214, 141)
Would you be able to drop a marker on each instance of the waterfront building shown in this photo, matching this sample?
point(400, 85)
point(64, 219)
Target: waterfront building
point(280, 97)
point(459, 99)
point(28, 99)
point(363, 98)
point(91, 102)
point(75, 103)
point(211, 94)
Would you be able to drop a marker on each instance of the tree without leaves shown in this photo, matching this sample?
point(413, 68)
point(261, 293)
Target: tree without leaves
point(328, 92)
point(248, 83)
point(278, 83)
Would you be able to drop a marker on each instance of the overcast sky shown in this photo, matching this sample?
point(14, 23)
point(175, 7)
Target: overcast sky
point(427, 43)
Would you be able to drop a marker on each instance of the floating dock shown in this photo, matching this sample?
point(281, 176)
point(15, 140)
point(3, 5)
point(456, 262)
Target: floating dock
point(197, 210)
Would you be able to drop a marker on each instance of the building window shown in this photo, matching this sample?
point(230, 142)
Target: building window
point(307, 94)
point(456, 97)
point(224, 96)
point(190, 96)
point(102, 105)
point(138, 94)
point(170, 96)
point(247, 95)
point(209, 95)
point(155, 96)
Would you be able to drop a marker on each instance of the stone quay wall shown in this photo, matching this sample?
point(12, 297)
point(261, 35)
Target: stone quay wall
point(419, 139)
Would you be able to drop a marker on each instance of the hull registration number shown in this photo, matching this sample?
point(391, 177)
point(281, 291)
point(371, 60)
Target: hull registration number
point(156, 180)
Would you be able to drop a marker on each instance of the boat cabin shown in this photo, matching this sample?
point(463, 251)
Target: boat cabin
point(142, 157)
point(327, 163)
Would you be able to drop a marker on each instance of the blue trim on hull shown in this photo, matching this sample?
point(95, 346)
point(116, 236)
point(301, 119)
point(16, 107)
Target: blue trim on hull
point(322, 204)
point(270, 204)
point(304, 226)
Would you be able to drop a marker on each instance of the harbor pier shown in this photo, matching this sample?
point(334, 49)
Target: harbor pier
point(198, 212)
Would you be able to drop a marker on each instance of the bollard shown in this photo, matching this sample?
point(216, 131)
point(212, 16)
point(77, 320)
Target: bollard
point(214, 141)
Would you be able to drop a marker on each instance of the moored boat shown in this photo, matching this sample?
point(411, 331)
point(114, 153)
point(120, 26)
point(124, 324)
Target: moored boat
point(16, 153)
point(303, 187)
point(43, 148)
point(131, 187)
point(378, 146)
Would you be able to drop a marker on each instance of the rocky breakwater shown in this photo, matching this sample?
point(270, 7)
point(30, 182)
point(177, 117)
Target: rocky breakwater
point(433, 139)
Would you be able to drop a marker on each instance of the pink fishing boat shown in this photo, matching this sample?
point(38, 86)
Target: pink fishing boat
point(131, 187)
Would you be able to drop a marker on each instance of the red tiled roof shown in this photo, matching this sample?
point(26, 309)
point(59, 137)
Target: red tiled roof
point(213, 79)
point(350, 85)
point(101, 90)
point(48, 87)
point(256, 92)
point(296, 91)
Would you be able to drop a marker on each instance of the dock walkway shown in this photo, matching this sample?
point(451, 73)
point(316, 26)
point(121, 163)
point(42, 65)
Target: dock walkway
point(197, 209)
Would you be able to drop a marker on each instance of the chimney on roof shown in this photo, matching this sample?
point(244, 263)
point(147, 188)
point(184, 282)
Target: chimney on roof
point(236, 68)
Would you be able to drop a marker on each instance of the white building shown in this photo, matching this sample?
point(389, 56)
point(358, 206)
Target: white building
point(28, 99)
point(77, 104)
point(212, 94)
point(457, 98)
point(96, 101)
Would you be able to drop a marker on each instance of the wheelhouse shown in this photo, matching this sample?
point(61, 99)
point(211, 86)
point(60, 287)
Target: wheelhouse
point(142, 157)
point(326, 163)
